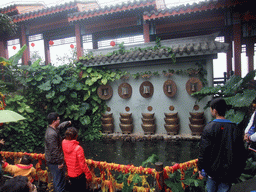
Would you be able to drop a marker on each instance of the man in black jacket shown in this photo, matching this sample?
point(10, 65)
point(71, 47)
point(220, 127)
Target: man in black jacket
point(222, 154)
point(53, 152)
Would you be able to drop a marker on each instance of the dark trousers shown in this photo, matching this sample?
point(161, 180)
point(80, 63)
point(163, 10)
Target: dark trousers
point(78, 184)
point(58, 177)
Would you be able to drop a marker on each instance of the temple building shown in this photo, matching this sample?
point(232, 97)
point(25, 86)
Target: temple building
point(187, 32)
point(232, 19)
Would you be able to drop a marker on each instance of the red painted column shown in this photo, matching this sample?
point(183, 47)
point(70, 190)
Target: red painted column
point(250, 54)
point(237, 45)
point(79, 45)
point(4, 49)
point(146, 32)
point(23, 41)
point(47, 51)
point(229, 54)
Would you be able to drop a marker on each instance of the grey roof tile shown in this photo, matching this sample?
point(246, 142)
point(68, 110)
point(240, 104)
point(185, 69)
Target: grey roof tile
point(184, 47)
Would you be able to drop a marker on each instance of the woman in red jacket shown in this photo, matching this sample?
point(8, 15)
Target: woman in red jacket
point(75, 161)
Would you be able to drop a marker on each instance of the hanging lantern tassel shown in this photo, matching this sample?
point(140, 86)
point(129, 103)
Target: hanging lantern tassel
point(72, 46)
point(14, 47)
point(112, 43)
point(32, 44)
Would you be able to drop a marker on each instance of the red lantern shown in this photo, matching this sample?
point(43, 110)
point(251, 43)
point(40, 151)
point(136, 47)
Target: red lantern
point(14, 47)
point(72, 46)
point(51, 42)
point(32, 44)
point(112, 43)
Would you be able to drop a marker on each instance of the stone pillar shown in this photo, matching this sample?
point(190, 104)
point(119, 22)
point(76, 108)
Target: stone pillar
point(228, 40)
point(250, 54)
point(237, 44)
point(79, 44)
point(4, 49)
point(94, 41)
point(146, 32)
point(24, 41)
point(47, 51)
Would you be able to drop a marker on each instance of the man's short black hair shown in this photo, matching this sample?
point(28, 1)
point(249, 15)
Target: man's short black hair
point(53, 116)
point(16, 184)
point(219, 105)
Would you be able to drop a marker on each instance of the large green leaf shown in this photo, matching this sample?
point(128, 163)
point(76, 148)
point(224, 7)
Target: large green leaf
point(250, 76)
point(15, 58)
point(84, 108)
point(104, 81)
point(152, 159)
point(38, 77)
point(50, 95)
point(45, 86)
point(62, 98)
point(29, 110)
point(243, 99)
point(234, 79)
point(235, 116)
point(89, 82)
point(61, 110)
point(63, 87)
point(57, 79)
point(79, 86)
point(85, 120)
point(206, 91)
point(21, 109)
point(87, 95)
point(73, 95)
point(36, 63)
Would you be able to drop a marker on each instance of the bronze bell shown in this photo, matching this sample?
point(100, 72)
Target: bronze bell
point(146, 89)
point(193, 87)
point(169, 88)
point(105, 92)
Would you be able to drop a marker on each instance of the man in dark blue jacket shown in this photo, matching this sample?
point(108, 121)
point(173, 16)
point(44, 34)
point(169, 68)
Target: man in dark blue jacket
point(222, 154)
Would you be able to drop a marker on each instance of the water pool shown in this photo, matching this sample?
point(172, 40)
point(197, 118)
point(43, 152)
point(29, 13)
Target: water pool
point(123, 152)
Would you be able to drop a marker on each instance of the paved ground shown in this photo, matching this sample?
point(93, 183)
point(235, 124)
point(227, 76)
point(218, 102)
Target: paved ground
point(247, 186)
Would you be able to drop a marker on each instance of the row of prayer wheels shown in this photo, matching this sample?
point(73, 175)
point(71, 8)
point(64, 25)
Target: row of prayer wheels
point(148, 123)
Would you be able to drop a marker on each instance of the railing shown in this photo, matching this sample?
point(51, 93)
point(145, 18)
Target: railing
point(222, 80)
point(105, 177)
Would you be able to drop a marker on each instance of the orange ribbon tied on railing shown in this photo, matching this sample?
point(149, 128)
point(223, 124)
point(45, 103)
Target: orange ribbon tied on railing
point(106, 179)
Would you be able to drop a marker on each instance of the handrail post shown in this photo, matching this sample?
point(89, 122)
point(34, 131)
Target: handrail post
point(160, 180)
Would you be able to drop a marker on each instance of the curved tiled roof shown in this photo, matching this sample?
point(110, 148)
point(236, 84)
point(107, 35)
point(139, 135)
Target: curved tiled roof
point(181, 48)
point(185, 9)
point(71, 6)
point(111, 9)
point(15, 8)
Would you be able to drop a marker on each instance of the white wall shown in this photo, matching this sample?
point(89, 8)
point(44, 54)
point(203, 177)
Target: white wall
point(182, 101)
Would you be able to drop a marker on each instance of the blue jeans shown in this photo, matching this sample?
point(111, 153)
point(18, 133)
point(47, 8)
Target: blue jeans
point(58, 176)
point(213, 186)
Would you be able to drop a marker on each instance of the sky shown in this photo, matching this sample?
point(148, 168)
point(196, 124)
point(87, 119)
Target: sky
point(49, 3)
point(219, 64)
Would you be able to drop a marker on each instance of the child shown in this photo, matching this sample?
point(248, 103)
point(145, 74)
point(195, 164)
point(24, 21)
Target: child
point(24, 168)
point(222, 154)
